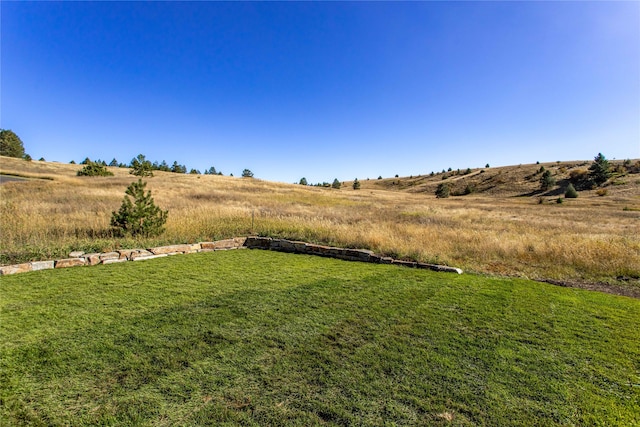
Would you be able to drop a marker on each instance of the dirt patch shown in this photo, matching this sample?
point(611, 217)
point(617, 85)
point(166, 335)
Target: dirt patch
point(622, 290)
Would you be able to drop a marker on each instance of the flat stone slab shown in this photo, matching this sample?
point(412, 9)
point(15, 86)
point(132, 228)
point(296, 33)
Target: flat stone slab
point(114, 260)
point(76, 254)
point(170, 249)
point(69, 262)
point(42, 265)
point(150, 256)
point(139, 254)
point(223, 244)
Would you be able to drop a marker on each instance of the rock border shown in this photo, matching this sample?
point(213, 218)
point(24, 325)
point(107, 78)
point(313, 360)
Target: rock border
point(78, 258)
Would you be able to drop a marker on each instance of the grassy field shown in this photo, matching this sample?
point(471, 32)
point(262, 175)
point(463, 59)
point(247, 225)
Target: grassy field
point(502, 229)
point(263, 338)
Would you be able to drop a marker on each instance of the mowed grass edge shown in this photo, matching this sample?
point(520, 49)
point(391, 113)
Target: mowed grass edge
point(265, 338)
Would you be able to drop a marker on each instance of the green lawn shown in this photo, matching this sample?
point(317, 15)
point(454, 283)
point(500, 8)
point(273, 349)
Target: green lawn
point(265, 338)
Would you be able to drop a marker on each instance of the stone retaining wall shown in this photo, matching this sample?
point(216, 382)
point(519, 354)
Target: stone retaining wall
point(80, 258)
point(362, 255)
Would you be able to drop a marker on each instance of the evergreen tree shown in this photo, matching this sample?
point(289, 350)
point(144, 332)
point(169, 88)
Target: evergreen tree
point(356, 184)
point(247, 173)
point(140, 217)
point(94, 169)
point(442, 192)
point(164, 167)
point(600, 170)
point(140, 166)
point(114, 162)
point(547, 181)
point(336, 184)
point(303, 181)
point(178, 168)
point(10, 144)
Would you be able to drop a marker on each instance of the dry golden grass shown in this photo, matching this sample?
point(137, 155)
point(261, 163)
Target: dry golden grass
point(592, 238)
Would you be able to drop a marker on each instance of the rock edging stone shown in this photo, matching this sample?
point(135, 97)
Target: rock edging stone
point(79, 258)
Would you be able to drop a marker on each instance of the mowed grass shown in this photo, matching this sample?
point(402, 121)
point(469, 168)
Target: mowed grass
point(263, 338)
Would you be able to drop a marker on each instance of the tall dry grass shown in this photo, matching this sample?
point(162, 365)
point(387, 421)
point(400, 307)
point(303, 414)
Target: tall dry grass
point(589, 239)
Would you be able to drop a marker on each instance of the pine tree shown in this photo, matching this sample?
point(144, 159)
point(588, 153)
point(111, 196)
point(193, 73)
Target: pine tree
point(547, 181)
point(600, 170)
point(140, 217)
point(442, 192)
point(303, 181)
point(247, 173)
point(140, 166)
point(94, 169)
point(336, 184)
point(10, 144)
point(356, 184)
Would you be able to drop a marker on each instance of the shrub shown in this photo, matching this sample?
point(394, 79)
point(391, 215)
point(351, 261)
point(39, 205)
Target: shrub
point(547, 181)
point(559, 200)
point(94, 169)
point(602, 192)
point(571, 192)
point(442, 192)
point(380, 177)
point(356, 184)
point(140, 217)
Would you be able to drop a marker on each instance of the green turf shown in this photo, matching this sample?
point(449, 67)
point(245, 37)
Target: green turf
point(265, 338)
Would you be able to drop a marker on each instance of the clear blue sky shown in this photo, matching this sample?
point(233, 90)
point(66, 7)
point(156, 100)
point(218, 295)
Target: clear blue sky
point(323, 90)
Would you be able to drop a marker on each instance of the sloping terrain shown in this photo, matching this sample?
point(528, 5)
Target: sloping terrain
point(503, 226)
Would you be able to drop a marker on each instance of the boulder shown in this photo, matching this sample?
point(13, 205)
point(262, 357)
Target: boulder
point(76, 254)
point(255, 242)
point(109, 255)
point(92, 259)
point(15, 269)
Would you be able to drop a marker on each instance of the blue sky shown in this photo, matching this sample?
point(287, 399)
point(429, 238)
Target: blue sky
point(323, 90)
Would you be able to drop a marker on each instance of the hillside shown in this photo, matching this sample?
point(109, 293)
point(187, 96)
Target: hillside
point(511, 181)
point(500, 228)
